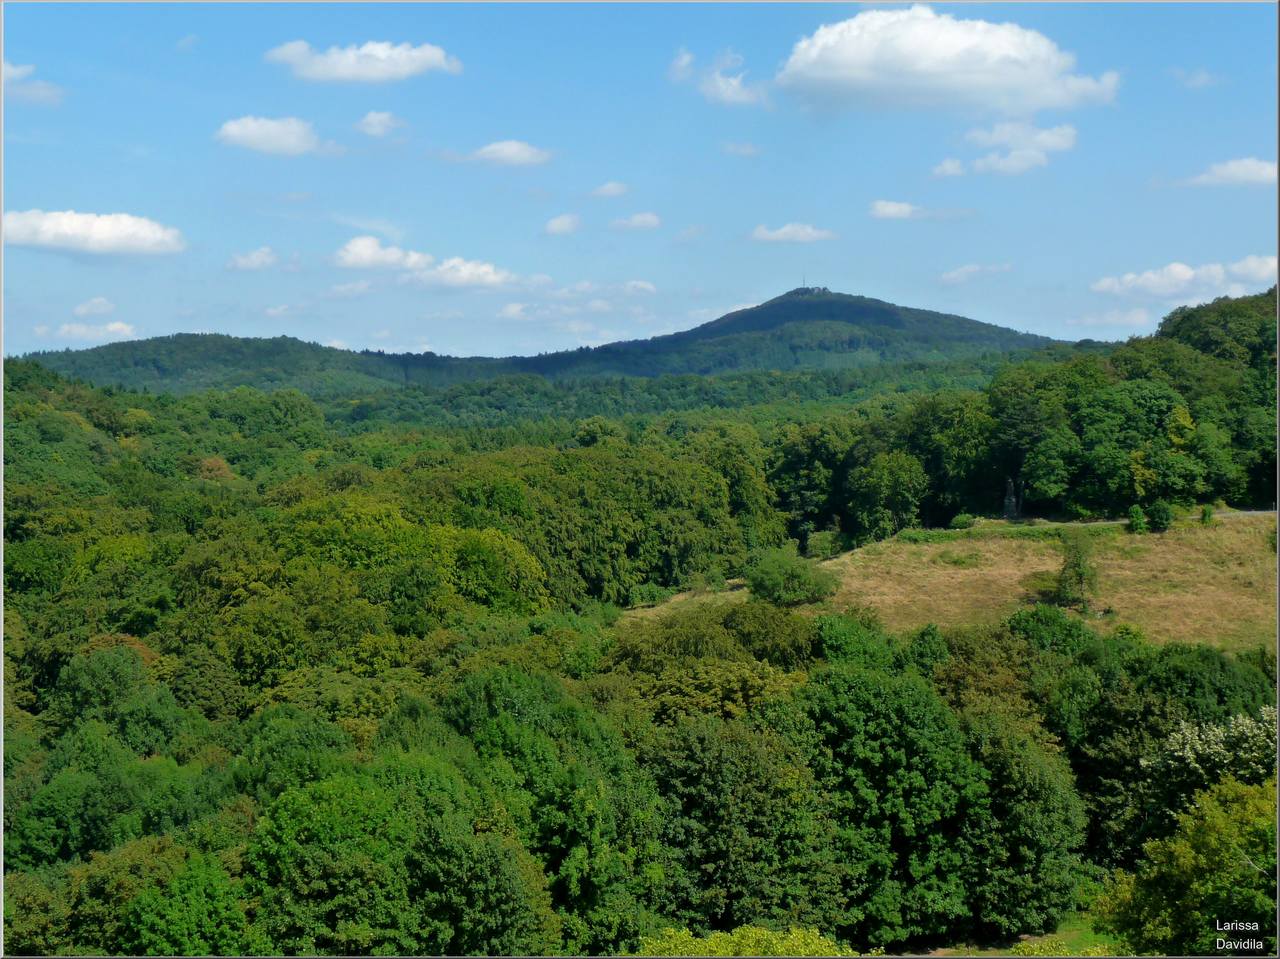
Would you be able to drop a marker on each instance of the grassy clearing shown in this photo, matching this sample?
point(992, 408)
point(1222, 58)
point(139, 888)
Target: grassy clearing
point(1214, 584)
point(1074, 934)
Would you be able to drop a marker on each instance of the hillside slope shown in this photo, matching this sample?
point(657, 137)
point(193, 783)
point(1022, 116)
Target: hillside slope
point(808, 328)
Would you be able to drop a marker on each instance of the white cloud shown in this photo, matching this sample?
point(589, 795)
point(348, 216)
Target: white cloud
point(14, 74)
point(681, 68)
point(949, 167)
point(18, 85)
point(378, 123)
point(372, 62)
point(348, 290)
point(97, 306)
point(258, 259)
point(1137, 318)
point(638, 286)
point(512, 153)
point(962, 274)
point(1179, 279)
point(732, 89)
point(791, 233)
point(457, 272)
point(742, 149)
point(287, 136)
point(1027, 146)
point(513, 311)
point(599, 306)
point(337, 344)
point(1260, 269)
point(274, 311)
point(367, 252)
point(638, 221)
point(612, 188)
point(108, 331)
point(1248, 171)
point(1196, 79)
point(916, 57)
point(564, 224)
point(90, 232)
point(895, 210)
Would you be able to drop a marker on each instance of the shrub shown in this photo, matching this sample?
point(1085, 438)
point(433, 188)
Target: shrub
point(782, 577)
point(743, 941)
point(962, 521)
point(1206, 514)
point(824, 545)
point(1160, 515)
point(1078, 578)
point(1137, 520)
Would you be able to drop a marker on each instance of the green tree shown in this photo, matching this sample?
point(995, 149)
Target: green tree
point(885, 495)
point(1219, 864)
point(1078, 577)
point(198, 912)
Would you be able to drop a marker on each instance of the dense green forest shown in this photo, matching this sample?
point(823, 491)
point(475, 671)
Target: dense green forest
point(807, 329)
point(349, 673)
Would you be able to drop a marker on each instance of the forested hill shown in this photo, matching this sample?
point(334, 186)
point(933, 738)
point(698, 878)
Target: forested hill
point(808, 328)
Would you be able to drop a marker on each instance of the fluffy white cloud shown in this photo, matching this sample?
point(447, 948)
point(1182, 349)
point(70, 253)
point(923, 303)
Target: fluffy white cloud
point(90, 232)
point(97, 306)
point(372, 62)
point(1259, 269)
point(612, 188)
point(742, 149)
point(962, 274)
point(791, 233)
point(721, 86)
point(1179, 279)
point(1247, 171)
point(114, 330)
point(949, 167)
point(895, 210)
point(348, 290)
point(638, 221)
point(681, 67)
point(917, 57)
point(512, 311)
point(564, 224)
point(457, 272)
point(337, 344)
point(512, 153)
point(1025, 146)
point(367, 252)
point(258, 259)
point(638, 286)
point(287, 136)
point(378, 123)
point(18, 85)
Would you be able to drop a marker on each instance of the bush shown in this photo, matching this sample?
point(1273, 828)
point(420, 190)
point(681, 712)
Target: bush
point(743, 941)
point(1206, 514)
point(1160, 515)
point(824, 545)
point(1137, 520)
point(782, 577)
point(962, 521)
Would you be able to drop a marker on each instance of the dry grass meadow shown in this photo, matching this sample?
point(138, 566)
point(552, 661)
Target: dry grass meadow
point(1214, 584)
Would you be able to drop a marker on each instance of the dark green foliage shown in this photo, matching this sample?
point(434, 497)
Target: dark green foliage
point(782, 577)
point(1160, 516)
point(961, 521)
point(1078, 577)
point(1137, 520)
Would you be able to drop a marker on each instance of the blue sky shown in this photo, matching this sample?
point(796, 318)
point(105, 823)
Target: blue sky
point(430, 177)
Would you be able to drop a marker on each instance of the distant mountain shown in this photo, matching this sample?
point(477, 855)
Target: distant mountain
point(807, 328)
